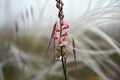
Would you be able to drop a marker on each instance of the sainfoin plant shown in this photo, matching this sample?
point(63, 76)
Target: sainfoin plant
point(59, 35)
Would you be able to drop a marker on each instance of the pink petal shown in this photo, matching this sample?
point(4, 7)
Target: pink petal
point(64, 38)
point(65, 57)
point(55, 36)
point(62, 22)
point(67, 26)
point(66, 44)
point(59, 40)
point(65, 33)
point(57, 28)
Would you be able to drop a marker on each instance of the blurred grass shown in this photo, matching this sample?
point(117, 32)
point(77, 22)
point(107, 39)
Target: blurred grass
point(38, 46)
point(32, 44)
point(116, 58)
point(84, 74)
point(11, 72)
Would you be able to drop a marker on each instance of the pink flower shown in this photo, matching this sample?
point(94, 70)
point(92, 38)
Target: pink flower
point(55, 36)
point(59, 40)
point(62, 22)
point(57, 28)
point(65, 57)
point(65, 33)
point(65, 26)
point(64, 38)
point(65, 44)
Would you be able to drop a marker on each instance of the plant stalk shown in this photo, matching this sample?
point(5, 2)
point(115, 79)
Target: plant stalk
point(61, 51)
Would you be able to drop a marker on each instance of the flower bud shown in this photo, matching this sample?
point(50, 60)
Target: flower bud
point(64, 38)
point(62, 22)
point(57, 49)
point(66, 26)
point(57, 5)
point(59, 40)
point(65, 44)
point(61, 15)
point(65, 33)
point(57, 28)
point(55, 36)
point(65, 57)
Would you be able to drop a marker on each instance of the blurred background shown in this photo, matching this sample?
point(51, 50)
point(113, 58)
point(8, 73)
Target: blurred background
point(25, 29)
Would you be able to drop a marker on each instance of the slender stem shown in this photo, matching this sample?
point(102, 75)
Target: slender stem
point(60, 7)
point(61, 50)
point(63, 64)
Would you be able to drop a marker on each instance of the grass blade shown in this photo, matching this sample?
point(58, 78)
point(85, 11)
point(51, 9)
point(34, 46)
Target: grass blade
point(17, 30)
point(51, 37)
point(74, 53)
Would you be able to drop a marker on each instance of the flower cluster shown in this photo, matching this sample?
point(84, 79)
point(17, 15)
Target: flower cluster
point(60, 33)
point(62, 40)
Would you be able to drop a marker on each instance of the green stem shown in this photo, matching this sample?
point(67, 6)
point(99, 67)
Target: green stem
point(63, 64)
point(61, 50)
